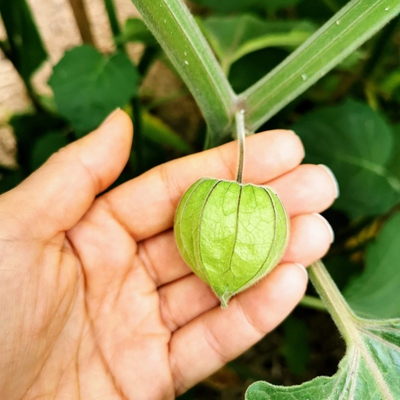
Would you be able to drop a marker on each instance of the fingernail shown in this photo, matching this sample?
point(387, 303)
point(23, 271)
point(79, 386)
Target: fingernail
point(328, 225)
point(335, 182)
point(303, 268)
point(110, 117)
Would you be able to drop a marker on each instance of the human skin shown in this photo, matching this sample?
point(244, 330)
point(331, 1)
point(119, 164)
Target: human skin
point(95, 300)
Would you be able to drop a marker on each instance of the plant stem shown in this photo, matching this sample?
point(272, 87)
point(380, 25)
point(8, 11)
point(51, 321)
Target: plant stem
point(149, 55)
point(335, 303)
point(312, 302)
point(241, 136)
point(114, 24)
point(336, 39)
point(78, 8)
point(179, 35)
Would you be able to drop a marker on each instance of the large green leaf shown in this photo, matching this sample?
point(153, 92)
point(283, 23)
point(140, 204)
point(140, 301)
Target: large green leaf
point(233, 37)
point(394, 164)
point(375, 292)
point(356, 143)
point(88, 86)
point(26, 49)
point(370, 370)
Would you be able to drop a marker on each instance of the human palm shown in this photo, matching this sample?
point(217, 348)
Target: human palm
point(95, 300)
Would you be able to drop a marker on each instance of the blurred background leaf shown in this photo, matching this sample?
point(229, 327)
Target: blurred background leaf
point(375, 292)
point(45, 146)
point(357, 144)
point(88, 86)
point(295, 349)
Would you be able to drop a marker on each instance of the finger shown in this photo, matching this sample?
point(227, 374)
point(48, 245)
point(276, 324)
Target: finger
point(310, 239)
point(61, 191)
point(161, 258)
point(220, 335)
point(307, 189)
point(158, 191)
point(186, 298)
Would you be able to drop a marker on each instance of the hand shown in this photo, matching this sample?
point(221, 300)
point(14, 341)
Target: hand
point(95, 300)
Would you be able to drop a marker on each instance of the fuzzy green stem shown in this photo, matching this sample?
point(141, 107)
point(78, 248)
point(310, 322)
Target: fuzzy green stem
point(241, 136)
point(335, 303)
point(179, 35)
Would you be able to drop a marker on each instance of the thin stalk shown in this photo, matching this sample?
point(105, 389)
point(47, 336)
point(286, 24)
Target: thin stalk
point(149, 55)
point(241, 136)
point(114, 24)
point(78, 8)
point(335, 303)
point(312, 302)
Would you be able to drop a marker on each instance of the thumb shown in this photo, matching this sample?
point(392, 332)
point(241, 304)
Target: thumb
point(58, 194)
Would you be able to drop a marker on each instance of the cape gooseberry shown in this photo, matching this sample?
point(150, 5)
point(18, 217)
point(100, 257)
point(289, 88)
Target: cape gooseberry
point(230, 234)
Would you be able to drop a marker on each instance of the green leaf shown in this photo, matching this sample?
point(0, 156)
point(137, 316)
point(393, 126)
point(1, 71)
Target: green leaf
point(370, 369)
point(88, 86)
point(295, 348)
point(391, 83)
point(135, 30)
point(26, 49)
point(374, 292)
point(9, 179)
point(180, 37)
point(158, 132)
point(234, 37)
point(356, 143)
point(28, 128)
point(394, 164)
point(45, 146)
point(332, 43)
